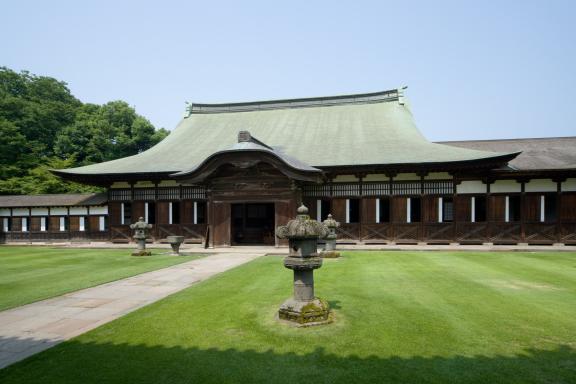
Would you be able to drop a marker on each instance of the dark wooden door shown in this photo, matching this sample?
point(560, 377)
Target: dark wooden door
point(221, 224)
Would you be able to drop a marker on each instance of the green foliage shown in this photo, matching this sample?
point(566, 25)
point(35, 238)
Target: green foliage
point(43, 126)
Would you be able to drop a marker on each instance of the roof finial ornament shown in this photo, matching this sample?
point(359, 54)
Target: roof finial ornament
point(188, 109)
point(244, 137)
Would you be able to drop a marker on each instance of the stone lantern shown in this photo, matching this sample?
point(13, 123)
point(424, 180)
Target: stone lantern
point(330, 247)
point(140, 234)
point(302, 234)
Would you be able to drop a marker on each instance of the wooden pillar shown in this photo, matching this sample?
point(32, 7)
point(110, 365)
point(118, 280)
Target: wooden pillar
point(522, 208)
point(156, 231)
point(455, 205)
point(67, 221)
point(28, 222)
point(489, 218)
point(210, 218)
point(558, 230)
point(360, 205)
point(421, 236)
point(392, 205)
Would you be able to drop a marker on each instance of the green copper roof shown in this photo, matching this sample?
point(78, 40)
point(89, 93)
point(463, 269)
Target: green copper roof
point(369, 129)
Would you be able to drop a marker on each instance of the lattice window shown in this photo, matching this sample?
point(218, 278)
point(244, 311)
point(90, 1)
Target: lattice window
point(439, 187)
point(196, 193)
point(171, 193)
point(401, 188)
point(406, 188)
point(124, 194)
point(376, 189)
point(316, 190)
point(341, 190)
point(144, 194)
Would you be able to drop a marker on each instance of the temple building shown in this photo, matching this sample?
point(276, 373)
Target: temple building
point(230, 173)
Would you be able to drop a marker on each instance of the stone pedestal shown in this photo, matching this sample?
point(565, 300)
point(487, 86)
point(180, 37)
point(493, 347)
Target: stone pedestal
point(304, 308)
point(175, 242)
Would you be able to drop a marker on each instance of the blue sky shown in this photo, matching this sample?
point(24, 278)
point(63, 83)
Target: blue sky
point(474, 69)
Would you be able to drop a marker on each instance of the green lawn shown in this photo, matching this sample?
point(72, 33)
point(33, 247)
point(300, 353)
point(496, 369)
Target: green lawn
point(29, 274)
point(400, 317)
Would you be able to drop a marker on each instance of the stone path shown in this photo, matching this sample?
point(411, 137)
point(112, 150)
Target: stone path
point(35, 327)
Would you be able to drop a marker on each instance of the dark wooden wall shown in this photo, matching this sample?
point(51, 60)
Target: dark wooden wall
point(430, 209)
point(531, 207)
point(114, 211)
point(462, 208)
point(497, 208)
point(568, 211)
point(368, 210)
point(339, 210)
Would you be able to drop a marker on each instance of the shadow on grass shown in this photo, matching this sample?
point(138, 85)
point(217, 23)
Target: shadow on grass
point(76, 362)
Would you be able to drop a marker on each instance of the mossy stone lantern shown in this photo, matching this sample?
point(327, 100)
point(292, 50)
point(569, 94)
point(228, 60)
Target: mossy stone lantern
point(330, 248)
point(303, 234)
point(140, 234)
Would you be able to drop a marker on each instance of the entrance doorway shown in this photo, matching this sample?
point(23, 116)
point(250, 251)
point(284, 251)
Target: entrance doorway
point(253, 223)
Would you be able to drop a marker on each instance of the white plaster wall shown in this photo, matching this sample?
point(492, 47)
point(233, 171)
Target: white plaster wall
point(376, 177)
point(144, 184)
point(505, 186)
point(20, 212)
point(540, 185)
point(569, 185)
point(58, 211)
point(78, 210)
point(120, 184)
point(471, 186)
point(406, 176)
point(345, 178)
point(438, 176)
point(103, 210)
point(4, 211)
point(168, 183)
point(39, 212)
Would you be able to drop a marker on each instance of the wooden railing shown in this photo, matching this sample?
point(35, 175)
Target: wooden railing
point(460, 232)
point(438, 232)
point(194, 233)
point(407, 232)
point(505, 233)
point(377, 232)
point(540, 233)
point(348, 232)
point(54, 236)
point(120, 233)
point(471, 233)
point(567, 233)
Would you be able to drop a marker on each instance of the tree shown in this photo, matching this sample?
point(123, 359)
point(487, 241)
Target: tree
point(107, 132)
point(42, 125)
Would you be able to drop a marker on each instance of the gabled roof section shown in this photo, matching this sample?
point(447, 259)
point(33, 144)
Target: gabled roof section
point(353, 130)
point(53, 200)
point(248, 151)
point(537, 153)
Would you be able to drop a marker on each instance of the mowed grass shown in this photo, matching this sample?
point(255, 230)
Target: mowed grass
point(400, 317)
point(29, 274)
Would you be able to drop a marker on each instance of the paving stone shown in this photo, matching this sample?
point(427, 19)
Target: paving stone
point(91, 303)
point(35, 327)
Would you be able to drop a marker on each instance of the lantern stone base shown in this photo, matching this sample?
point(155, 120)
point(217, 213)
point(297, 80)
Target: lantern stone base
point(305, 313)
point(141, 253)
point(329, 254)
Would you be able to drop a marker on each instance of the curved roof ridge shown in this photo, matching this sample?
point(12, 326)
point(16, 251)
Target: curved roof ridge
point(361, 98)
